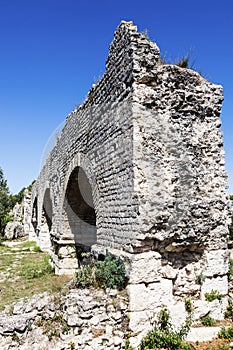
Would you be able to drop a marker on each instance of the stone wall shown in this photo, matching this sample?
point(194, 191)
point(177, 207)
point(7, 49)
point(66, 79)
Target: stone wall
point(20, 226)
point(139, 170)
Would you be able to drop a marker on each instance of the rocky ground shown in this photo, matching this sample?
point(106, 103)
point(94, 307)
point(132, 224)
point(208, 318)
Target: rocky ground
point(68, 318)
point(82, 319)
point(64, 317)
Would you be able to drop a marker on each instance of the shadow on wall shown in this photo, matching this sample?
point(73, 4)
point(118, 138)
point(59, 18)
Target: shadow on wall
point(80, 216)
point(35, 214)
point(47, 211)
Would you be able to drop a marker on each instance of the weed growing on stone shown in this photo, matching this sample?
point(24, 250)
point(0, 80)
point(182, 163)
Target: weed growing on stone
point(229, 309)
point(200, 278)
point(127, 345)
point(188, 306)
point(71, 345)
point(11, 310)
point(55, 326)
point(163, 335)
point(207, 321)
point(15, 337)
point(214, 295)
point(226, 333)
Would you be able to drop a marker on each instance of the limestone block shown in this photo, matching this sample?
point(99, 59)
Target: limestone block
point(220, 284)
point(150, 297)
point(214, 309)
point(144, 268)
point(140, 323)
point(168, 271)
point(66, 251)
point(217, 262)
point(140, 320)
point(186, 281)
point(178, 314)
point(44, 241)
point(66, 266)
point(68, 263)
point(117, 341)
point(202, 333)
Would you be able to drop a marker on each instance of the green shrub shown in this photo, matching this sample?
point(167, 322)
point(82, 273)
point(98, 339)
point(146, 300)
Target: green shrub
point(214, 295)
point(110, 273)
point(207, 321)
point(226, 333)
point(164, 335)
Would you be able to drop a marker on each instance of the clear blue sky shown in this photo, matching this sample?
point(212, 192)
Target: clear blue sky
point(52, 51)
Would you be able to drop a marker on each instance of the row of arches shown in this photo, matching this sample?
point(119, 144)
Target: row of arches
point(78, 213)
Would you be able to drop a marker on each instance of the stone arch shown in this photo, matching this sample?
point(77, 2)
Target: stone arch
point(80, 199)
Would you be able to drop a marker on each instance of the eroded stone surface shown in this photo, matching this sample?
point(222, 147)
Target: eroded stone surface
point(21, 225)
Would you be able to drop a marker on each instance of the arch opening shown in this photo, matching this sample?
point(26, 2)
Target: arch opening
point(47, 210)
point(34, 219)
point(79, 210)
point(46, 222)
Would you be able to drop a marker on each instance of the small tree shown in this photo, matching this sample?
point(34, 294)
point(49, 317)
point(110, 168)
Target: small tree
point(4, 201)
